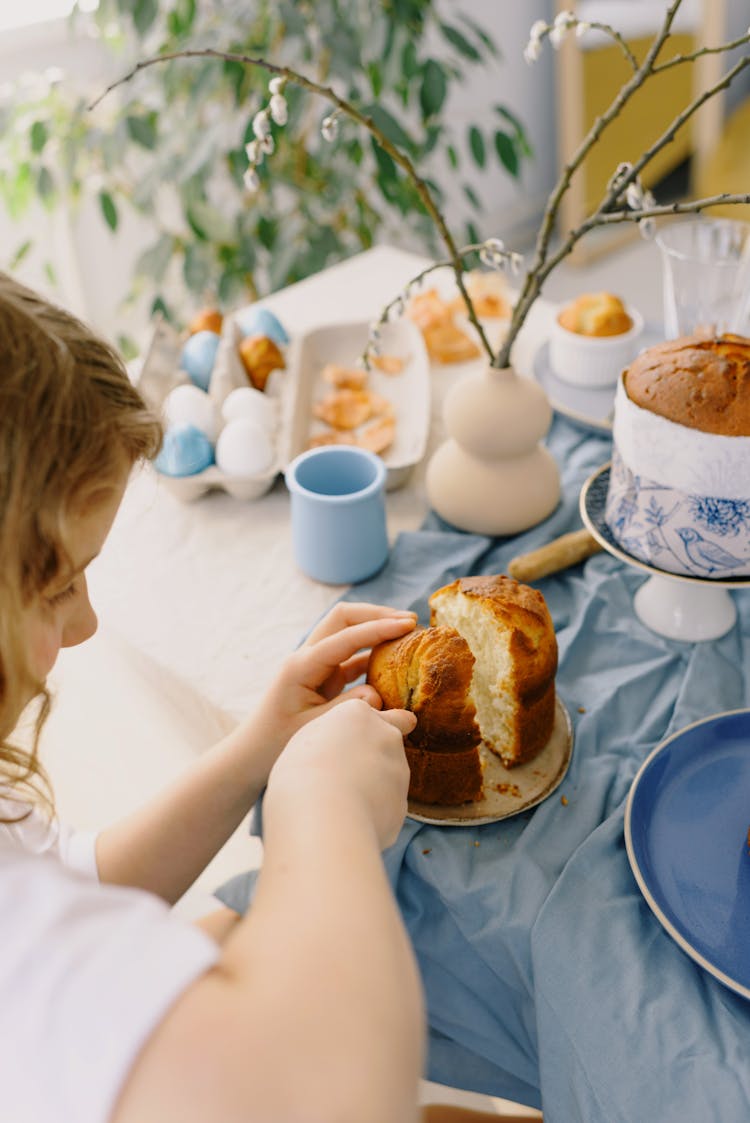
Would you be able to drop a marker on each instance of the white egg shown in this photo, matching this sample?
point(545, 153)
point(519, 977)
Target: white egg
point(244, 448)
point(246, 401)
point(189, 405)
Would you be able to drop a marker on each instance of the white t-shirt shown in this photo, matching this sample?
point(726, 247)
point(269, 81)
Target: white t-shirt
point(87, 972)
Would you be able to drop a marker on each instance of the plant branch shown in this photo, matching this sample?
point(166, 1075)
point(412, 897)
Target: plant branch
point(694, 206)
point(604, 215)
point(623, 200)
point(594, 25)
point(668, 135)
point(345, 107)
point(677, 60)
point(398, 301)
point(538, 272)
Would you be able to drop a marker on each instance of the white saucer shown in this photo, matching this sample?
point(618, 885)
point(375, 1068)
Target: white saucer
point(590, 408)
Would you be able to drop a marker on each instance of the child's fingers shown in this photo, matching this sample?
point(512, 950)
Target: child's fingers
point(404, 720)
point(364, 692)
point(346, 673)
point(320, 659)
point(346, 613)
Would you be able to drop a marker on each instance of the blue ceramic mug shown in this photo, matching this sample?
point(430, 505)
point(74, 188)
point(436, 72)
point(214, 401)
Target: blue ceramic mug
point(339, 533)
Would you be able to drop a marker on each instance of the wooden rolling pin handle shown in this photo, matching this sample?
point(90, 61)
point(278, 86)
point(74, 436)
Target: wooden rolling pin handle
point(559, 554)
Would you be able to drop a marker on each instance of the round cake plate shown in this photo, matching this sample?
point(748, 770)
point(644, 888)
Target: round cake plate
point(508, 791)
point(692, 609)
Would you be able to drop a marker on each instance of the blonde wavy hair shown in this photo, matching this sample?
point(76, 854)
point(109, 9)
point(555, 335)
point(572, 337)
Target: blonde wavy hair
point(68, 415)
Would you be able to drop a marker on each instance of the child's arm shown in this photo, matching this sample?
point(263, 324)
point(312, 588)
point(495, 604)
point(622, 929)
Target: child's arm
point(315, 1011)
point(165, 845)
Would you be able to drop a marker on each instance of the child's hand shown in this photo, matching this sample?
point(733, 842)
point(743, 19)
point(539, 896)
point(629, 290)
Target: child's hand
point(335, 654)
point(354, 756)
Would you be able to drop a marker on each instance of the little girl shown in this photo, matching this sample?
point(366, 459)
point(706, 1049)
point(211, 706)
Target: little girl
point(112, 1008)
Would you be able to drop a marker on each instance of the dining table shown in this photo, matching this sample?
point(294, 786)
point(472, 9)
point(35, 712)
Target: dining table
point(550, 978)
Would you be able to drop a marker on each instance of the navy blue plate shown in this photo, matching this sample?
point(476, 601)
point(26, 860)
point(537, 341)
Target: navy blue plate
point(686, 832)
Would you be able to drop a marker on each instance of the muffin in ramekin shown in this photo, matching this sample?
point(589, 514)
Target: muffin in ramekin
point(593, 338)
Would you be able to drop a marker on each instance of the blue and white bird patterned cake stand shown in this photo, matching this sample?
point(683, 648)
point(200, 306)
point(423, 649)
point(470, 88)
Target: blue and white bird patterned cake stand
point(682, 608)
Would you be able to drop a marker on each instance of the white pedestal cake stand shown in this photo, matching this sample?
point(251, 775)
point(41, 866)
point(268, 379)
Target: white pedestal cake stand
point(682, 608)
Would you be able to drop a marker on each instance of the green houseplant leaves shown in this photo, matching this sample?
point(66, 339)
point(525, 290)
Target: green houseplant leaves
point(171, 143)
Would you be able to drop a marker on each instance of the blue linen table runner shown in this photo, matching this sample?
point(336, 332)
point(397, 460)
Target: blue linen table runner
point(548, 979)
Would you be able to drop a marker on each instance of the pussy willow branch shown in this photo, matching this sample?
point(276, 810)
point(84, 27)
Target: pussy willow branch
point(603, 216)
point(694, 206)
point(677, 123)
point(677, 60)
point(544, 263)
point(418, 278)
point(612, 218)
point(538, 270)
point(349, 110)
point(611, 33)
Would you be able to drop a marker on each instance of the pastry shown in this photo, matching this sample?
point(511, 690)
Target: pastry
point(260, 355)
point(701, 383)
point(595, 314)
point(344, 409)
point(429, 671)
point(488, 663)
point(344, 378)
point(448, 343)
point(678, 496)
point(489, 295)
point(379, 435)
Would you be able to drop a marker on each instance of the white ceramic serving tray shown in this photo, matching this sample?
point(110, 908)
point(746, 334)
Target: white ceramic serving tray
point(160, 373)
point(408, 391)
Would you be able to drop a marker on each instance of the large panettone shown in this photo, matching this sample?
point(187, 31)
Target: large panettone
point(679, 488)
point(697, 382)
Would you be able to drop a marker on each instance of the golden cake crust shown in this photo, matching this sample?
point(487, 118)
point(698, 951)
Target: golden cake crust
point(428, 671)
point(595, 314)
point(444, 778)
point(521, 614)
point(699, 382)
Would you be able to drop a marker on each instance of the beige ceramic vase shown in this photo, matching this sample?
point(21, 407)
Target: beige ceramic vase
point(492, 476)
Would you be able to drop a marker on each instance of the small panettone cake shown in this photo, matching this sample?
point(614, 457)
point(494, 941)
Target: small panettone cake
point(482, 676)
point(679, 487)
point(596, 314)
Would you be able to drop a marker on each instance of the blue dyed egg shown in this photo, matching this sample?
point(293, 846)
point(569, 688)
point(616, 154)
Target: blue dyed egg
point(186, 450)
point(259, 321)
point(198, 356)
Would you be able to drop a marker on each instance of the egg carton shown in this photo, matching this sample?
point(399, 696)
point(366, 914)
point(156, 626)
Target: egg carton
point(296, 390)
point(161, 373)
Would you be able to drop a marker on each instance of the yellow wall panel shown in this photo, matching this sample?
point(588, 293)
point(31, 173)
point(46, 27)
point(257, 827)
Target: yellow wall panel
point(642, 121)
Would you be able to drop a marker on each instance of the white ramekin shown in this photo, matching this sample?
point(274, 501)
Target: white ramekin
point(593, 361)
